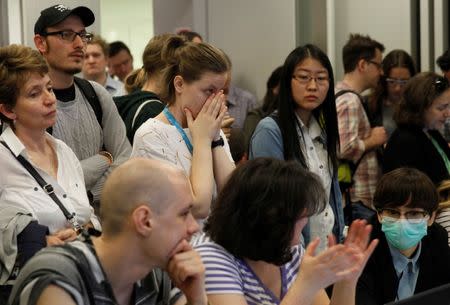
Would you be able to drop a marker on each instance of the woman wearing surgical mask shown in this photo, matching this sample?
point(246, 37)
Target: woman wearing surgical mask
point(413, 253)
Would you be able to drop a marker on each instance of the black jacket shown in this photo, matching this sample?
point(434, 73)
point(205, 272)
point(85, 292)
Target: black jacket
point(378, 283)
point(409, 146)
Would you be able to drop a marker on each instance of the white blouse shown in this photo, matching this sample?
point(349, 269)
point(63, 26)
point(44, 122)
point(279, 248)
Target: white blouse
point(321, 225)
point(19, 190)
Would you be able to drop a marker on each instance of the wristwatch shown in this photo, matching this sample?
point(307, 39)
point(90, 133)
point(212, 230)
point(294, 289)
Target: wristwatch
point(216, 143)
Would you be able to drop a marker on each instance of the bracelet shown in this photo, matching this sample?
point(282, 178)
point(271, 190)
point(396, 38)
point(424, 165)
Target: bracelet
point(216, 143)
point(108, 155)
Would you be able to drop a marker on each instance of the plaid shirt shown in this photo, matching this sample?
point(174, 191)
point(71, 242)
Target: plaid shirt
point(354, 127)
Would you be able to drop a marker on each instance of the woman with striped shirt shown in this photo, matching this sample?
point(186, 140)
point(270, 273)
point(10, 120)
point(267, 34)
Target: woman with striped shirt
point(251, 243)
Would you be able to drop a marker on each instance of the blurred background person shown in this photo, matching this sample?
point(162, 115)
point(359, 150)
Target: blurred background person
point(95, 63)
point(398, 67)
point(120, 61)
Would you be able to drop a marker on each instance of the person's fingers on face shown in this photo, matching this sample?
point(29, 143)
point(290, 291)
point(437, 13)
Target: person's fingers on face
point(184, 265)
point(182, 246)
point(189, 117)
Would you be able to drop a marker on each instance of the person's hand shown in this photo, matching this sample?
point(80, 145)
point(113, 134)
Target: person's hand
point(226, 125)
point(379, 135)
point(206, 125)
point(61, 237)
point(330, 266)
point(358, 238)
point(187, 272)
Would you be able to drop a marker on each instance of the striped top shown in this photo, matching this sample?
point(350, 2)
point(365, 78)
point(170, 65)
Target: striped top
point(226, 274)
point(443, 218)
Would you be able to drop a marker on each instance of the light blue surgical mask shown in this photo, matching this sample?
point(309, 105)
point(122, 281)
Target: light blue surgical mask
point(402, 234)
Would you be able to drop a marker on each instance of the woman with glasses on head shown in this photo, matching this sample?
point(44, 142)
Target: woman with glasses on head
point(398, 67)
point(412, 254)
point(420, 115)
point(305, 129)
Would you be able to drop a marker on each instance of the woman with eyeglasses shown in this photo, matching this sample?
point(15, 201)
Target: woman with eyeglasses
point(420, 115)
point(305, 129)
point(398, 67)
point(412, 254)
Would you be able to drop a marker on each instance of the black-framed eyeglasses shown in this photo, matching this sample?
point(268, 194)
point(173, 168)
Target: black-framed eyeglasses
point(441, 84)
point(304, 79)
point(396, 81)
point(70, 36)
point(393, 215)
point(377, 64)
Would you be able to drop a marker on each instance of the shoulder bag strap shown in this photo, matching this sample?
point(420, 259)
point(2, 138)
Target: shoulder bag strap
point(89, 93)
point(48, 188)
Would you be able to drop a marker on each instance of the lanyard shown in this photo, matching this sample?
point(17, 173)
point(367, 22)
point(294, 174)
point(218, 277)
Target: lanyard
point(174, 122)
point(440, 151)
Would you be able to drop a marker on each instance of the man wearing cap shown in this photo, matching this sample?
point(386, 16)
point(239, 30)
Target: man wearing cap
point(100, 145)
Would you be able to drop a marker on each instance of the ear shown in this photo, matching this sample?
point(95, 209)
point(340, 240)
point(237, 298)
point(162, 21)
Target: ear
point(178, 83)
point(379, 217)
point(361, 65)
point(40, 43)
point(432, 218)
point(142, 218)
point(7, 112)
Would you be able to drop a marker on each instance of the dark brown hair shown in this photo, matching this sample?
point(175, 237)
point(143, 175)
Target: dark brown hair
point(359, 47)
point(403, 184)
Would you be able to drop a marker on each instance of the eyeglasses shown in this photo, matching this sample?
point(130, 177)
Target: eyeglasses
point(377, 64)
point(392, 215)
point(396, 81)
point(304, 79)
point(70, 36)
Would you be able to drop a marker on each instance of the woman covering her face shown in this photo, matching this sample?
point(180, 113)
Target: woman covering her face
point(251, 244)
point(29, 218)
point(187, 132)
point(305, 129)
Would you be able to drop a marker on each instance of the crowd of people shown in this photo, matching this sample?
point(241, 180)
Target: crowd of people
point(168, 185)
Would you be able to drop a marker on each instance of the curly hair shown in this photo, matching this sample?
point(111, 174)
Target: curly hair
point(17, 62)
point(419, 94)
point(406, 185)
point(255, 215)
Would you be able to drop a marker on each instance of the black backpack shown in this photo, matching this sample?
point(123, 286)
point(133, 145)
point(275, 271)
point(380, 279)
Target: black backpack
point(89, 93)
point(136, 108)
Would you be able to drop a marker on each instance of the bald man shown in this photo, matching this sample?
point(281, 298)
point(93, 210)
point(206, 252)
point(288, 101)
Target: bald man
point(147, 224)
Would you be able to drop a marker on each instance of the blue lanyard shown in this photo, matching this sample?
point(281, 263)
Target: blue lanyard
point(174, 122)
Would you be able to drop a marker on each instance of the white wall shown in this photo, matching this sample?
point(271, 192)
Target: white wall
point(31, 10)
point(130, 22)
point(386, 21)
point(256, 34)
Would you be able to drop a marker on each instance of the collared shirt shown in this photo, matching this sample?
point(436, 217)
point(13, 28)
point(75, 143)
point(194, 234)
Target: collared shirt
point(407, 270)
point(115, 87)
point(19, 190)
point(240, 102)
point(313, 144)
point(354, 127)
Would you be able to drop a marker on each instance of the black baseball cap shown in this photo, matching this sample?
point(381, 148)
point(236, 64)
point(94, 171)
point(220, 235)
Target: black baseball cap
point(57, 13)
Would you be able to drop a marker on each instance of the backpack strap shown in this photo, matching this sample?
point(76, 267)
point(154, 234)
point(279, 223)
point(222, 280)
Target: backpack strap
point(361, 99)
point(138, 110)
point(89, 93)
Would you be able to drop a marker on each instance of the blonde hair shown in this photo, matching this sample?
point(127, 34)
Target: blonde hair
point(190, 61)
point(17, 62)
point(153, 64)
